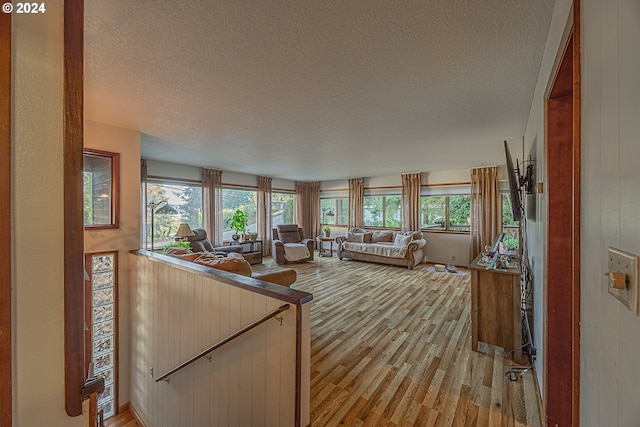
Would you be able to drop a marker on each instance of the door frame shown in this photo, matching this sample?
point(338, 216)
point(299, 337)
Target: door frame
point(6, 347)
point(561, 379)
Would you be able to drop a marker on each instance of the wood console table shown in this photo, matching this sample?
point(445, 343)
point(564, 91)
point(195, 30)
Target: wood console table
point(495, 308)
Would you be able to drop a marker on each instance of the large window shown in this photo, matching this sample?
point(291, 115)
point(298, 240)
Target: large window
point(383, 211)
point(182, 200)
point(334, 211)
point(234, 199)
point(445, 213)
point(100, 176)
point(283, 208)
point(510, 228)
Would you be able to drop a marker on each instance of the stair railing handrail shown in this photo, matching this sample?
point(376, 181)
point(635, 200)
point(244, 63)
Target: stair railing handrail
point(222, 342)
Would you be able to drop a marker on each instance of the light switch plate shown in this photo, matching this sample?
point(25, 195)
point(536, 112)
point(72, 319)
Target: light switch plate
point(627, 263)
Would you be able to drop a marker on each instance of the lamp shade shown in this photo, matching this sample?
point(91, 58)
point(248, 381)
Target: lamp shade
point(184, 231)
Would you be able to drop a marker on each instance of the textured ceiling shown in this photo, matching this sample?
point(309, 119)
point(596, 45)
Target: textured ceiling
point(316, 90)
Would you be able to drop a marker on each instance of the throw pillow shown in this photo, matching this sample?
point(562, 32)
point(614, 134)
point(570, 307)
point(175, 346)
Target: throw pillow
point(382, 236)
point(355, 237)
point(367, 237)
point(232, 265)
point(402, 241)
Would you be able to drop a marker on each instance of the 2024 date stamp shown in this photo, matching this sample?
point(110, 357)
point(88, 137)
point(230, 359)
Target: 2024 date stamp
point(24, 7)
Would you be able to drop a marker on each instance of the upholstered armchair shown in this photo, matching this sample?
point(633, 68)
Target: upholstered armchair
point(200, 243)
point(289, 243)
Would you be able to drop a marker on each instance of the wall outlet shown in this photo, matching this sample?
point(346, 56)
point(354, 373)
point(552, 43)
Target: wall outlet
point(453, 257)
point(623, 278)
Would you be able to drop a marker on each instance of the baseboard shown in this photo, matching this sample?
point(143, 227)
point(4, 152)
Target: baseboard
point(136, 416)
point(123, 408)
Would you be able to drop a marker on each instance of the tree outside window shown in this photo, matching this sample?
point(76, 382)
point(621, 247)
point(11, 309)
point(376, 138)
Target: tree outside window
point(234, 199)
point(445, 213)
point(185, 198)
point(510, 228)
point(339, 207)
point(383, 211)
point(282, 208)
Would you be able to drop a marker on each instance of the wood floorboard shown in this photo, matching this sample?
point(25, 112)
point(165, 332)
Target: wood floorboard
point(391, 347)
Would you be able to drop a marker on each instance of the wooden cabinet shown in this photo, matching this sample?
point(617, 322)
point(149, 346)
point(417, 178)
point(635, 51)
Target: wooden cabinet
point(495, 308)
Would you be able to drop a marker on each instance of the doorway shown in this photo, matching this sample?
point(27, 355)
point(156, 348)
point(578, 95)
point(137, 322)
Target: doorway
point(562, 249)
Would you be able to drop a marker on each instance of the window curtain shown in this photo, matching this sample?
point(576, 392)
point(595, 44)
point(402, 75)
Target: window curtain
point(264, 213)
point(356, 202)
point(143, 202)
point(308, 204)
point(212, 204)
point(486, 212)
point(411, 201)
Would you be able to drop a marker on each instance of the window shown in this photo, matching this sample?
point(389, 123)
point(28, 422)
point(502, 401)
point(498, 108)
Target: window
point(339, 207)
point(101, 318)
point(383, 211)
point(184, 198)
point(100, 175)
point(510, 228)
point(445, 213)
point(283, 208)
point(234, 199)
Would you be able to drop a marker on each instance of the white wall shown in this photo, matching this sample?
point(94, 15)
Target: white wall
point(127, 237)
point(610, 333)
point(180, 171)
point(534, 137)
point(37, 214)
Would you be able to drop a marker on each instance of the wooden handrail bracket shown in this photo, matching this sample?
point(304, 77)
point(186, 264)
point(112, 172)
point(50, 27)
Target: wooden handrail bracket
point(205, 353)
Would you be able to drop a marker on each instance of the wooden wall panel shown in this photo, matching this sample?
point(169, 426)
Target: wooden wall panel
point(176, 313)
point(6, 386)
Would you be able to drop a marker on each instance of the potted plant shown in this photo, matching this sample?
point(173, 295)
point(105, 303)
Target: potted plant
point(326, 231)
point(238, 223)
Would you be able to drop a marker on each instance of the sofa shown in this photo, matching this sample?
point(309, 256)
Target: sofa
point(234, 263)
point(383, 246)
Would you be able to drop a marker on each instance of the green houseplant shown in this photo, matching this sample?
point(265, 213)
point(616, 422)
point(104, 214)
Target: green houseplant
point(238, 223)
point(326, 230)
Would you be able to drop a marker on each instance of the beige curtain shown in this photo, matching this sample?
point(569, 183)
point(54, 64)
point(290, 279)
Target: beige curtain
point(212, 204)
point(264, 213)
point(411, 201)
point(308, 208)
point(486, 212)
point(356, 202)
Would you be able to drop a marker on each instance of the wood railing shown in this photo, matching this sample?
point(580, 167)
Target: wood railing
point(179, 308)
point(223, 341)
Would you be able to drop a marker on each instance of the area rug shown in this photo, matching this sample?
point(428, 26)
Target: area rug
point(460, 272)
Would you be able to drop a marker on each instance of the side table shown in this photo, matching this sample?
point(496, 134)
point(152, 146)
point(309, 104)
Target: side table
point(321, 251)
point(252, 251)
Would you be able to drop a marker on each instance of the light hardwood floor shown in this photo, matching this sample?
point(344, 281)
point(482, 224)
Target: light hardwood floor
point(392, 347)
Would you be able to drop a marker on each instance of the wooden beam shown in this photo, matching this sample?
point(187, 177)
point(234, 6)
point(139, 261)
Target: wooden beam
point(73, 208)
point(5, 221)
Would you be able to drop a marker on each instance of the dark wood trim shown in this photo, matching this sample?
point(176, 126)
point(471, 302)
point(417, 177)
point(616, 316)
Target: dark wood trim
point(278, 292)
point(168, 179)
point(562, 251)
point(115, 188)
point(577, 154)
point(6, 383)
point(73, 220)
point(298, 403)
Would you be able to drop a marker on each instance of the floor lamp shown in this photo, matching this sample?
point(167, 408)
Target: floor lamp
point(162, 208)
